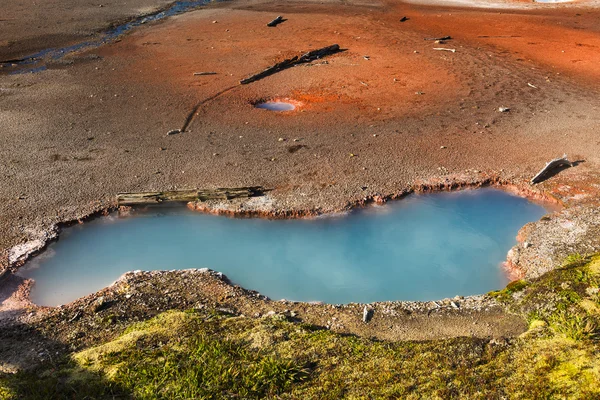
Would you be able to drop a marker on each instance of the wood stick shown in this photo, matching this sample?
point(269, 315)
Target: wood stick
point(557, 162)
point(290, 62)
point(276, 21)
point(439, 38)
point(127, 199)
point(441, 48)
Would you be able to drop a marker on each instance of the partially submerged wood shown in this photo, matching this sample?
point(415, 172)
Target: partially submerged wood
point(129, 199)
point(557, 162)
point(290, 62)
point(276, 21)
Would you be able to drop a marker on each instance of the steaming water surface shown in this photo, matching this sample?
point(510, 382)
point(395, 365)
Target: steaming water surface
point(423, 247)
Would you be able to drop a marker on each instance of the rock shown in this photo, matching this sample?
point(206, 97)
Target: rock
point(173, 132)
point(503, 109)
point(367, 315)
point(454, 305)
point(224, 310)
point(98, 304)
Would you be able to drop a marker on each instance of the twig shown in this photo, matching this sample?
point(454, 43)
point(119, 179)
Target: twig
point(441, 48)
point(498, 36)
point(276, 21)
point(439, 38)
point(204, 73)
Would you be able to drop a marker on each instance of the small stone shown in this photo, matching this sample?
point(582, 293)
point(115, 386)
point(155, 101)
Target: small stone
point(443, 147)
point(214, 22)
point(352, 155)
point(98, 304)
point(366, 315)
point(454, 305)
point(503, 109)
point(173, 132)
point(526, 244)
point(281, 139)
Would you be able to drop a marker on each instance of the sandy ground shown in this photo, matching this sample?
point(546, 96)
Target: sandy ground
point(388, 114)
point(28, 27)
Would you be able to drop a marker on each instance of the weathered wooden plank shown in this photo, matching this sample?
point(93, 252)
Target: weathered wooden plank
point(290, 62)
point(557, 162)
point(125, 199)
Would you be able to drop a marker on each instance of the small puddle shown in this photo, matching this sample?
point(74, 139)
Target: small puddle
point(423, 247)
point(276, 106)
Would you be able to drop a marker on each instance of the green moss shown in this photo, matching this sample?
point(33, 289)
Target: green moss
point(505, 295)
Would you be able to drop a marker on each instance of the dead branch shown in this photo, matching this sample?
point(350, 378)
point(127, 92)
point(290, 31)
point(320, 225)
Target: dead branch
point(290, 62)
point(557, 162)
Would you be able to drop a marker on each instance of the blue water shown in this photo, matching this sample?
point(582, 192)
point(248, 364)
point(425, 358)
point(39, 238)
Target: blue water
point(423, 247)
point(32, 61)
point(276, 106)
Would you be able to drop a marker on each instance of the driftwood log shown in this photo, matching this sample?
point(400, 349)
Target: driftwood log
point(557, 162)
point(129, 199)
point(290, 62)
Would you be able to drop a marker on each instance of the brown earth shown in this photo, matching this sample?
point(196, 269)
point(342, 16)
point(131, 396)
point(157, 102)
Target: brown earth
point(387, 115)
